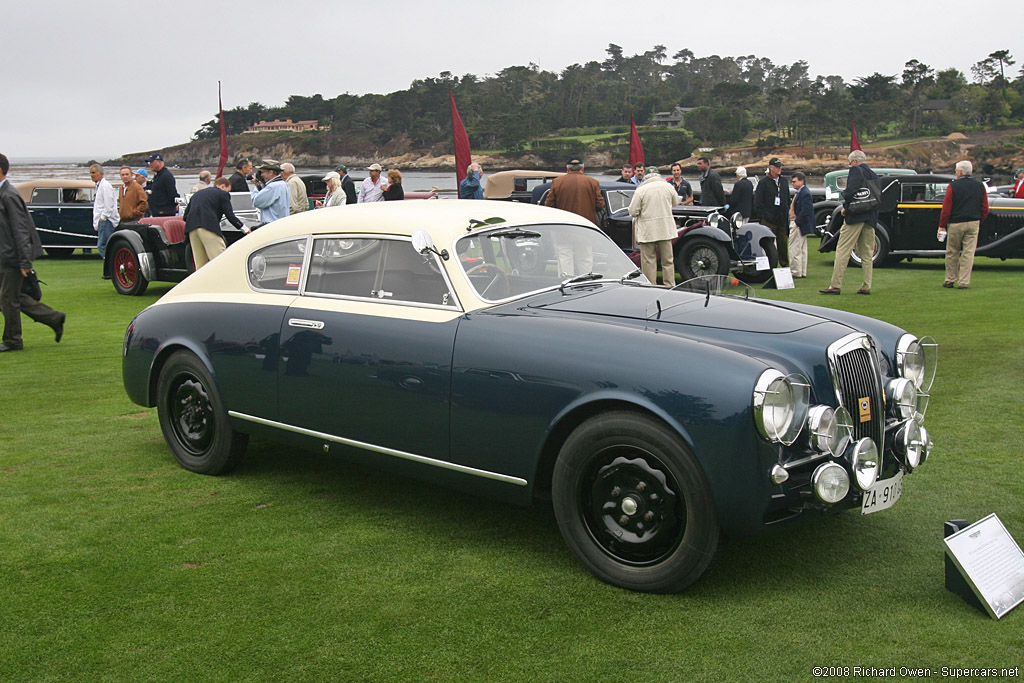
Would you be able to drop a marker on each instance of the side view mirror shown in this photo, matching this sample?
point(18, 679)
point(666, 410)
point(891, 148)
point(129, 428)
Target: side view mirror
point(423, 243)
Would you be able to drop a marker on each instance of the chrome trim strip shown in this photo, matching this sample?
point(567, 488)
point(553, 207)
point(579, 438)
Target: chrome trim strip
point(422, 459)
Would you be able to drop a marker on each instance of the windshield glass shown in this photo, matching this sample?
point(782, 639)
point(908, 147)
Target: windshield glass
point(508, 262)
point(618, 200)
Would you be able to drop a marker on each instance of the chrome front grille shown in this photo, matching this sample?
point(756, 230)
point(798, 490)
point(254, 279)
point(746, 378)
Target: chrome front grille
point(858, 384)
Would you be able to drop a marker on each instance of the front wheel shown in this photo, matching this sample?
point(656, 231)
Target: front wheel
point(700, 256)
point(126, 272)
point(193, 418)
point(633, 505)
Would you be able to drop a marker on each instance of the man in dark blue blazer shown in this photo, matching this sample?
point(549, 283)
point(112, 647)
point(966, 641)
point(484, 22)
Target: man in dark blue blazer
point(202, 221)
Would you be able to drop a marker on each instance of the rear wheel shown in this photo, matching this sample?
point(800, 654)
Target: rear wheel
point(880, 254)
point(633, 505)
point(193, 418)
point(700, 256)
point(126, 272)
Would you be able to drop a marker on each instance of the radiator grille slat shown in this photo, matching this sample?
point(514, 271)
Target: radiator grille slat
point(857, 376)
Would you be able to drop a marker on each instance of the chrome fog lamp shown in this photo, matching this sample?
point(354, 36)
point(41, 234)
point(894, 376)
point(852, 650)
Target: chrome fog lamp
point(830, 482)
point(780, 405)
point(829, 430)
point(909, 444)
point(738, 220)
point(864, 462)
point(926, 441)
point(902, 396)
point(713, 220)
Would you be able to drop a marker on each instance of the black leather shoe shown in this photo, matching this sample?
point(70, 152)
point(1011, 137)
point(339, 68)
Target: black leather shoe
point(947, 285)
point(961, 286)
point(58, 329)
point(5, 347)
point(863, 291)
point(830, 290)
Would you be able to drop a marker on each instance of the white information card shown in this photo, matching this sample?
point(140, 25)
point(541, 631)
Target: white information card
point(992, 563)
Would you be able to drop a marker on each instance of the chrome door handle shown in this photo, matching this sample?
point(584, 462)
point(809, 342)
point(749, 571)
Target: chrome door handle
point(308, 324)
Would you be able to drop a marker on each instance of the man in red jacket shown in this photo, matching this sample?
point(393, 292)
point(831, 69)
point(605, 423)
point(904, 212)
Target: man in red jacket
point(1018, 184)
point(964, 207)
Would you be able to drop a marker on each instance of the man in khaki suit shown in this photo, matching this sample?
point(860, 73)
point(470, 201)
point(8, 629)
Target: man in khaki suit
point(651, 206)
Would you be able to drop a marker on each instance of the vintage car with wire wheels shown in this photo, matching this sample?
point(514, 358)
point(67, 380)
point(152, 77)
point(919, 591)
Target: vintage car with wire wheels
point(908, 223)
point(158, 249)
point(62, 213)
point(706, 243)
point(404, 335)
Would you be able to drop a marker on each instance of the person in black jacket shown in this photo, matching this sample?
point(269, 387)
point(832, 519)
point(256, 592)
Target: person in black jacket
point(771, 204)
point(711, 191)
point(347, 185)
point(19, 246)
point(239, 179)
point(741, 200)
point(202, 221)
point(858, 228)
point(164, 191)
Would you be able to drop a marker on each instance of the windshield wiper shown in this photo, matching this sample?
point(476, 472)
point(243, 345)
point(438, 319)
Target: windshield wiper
point(628, 277)
point(586, 277)
point(514, 232)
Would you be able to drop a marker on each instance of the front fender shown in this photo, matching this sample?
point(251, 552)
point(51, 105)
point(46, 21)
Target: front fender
point(146, 264)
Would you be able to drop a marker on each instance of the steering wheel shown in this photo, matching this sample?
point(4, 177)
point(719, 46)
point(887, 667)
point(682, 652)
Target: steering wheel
point(498, 272)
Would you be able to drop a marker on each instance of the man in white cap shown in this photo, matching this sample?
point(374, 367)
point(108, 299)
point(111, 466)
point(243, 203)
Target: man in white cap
point(655, 227)
point(373, 187)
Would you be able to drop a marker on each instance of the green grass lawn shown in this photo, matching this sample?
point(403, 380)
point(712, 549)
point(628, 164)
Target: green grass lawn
point(117, 564)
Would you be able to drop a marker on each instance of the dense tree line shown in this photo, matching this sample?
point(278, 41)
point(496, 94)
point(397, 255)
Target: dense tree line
point(730, 97)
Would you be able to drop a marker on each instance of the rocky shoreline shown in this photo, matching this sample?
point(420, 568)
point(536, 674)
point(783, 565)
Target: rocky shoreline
point(937, 155)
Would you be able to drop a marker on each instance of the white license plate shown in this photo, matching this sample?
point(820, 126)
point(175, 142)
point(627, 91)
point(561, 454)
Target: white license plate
point(882, 495)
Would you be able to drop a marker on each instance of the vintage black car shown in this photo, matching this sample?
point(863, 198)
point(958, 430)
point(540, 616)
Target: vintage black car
point(404, 335)
point(157, 249)
point(908, 221)
point(707, 243)
point(62, 213)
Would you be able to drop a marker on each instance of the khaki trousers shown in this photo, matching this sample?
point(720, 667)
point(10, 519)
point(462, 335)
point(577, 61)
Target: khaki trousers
point(797, 251)
point(206, 246)
point(861, 236)
point(649, 262)
point(961, 241)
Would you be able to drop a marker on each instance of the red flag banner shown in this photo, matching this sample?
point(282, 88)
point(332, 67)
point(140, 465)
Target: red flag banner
point(223, 136)
point(854, 142)
point(636, 150)
point(462, 155)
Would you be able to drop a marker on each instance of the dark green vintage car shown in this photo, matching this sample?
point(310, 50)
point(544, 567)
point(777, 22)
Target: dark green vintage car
point(908, 220)
point(409, 336)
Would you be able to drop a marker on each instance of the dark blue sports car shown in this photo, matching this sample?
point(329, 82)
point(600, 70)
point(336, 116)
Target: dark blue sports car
point(435, 339)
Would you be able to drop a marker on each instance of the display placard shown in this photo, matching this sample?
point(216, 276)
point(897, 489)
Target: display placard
point(991, 562)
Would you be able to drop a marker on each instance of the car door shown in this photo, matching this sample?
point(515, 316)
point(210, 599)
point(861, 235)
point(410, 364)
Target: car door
point(76, 216)
point(917, 217)
point(44, 205)
point(366, 349)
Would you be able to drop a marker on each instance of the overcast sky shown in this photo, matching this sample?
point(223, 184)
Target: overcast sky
point(99, 79)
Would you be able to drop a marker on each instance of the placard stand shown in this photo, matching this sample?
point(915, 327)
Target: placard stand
point(984, 565)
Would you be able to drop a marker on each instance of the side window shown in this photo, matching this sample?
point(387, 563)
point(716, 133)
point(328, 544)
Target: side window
point(912, 193)
point(409, 276)
point(935, 192)
point(344, 267)
point(45, 195)
point(277, 267)
point(81, 195)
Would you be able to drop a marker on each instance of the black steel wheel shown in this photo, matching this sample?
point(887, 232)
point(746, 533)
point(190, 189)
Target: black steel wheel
point(125, 272)
point(193, 418)
point(633, 505)
point(701, 255)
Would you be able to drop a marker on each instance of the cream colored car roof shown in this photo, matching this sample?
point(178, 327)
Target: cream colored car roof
point(25, 189)
point(224, 278)
point(500, 185)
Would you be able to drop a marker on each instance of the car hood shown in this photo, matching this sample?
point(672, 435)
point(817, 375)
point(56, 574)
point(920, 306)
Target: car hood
point(678, 308)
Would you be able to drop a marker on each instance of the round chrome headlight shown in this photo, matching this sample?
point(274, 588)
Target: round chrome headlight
point(830, 482)
point(902, 396)
point(909, 444)
point(916, 360)
point(926, 447)
point(864, 463)
point(780, 405)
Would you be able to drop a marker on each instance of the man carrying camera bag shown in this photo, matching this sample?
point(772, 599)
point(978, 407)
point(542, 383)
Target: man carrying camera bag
point(859, 224)
point(19, 246)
